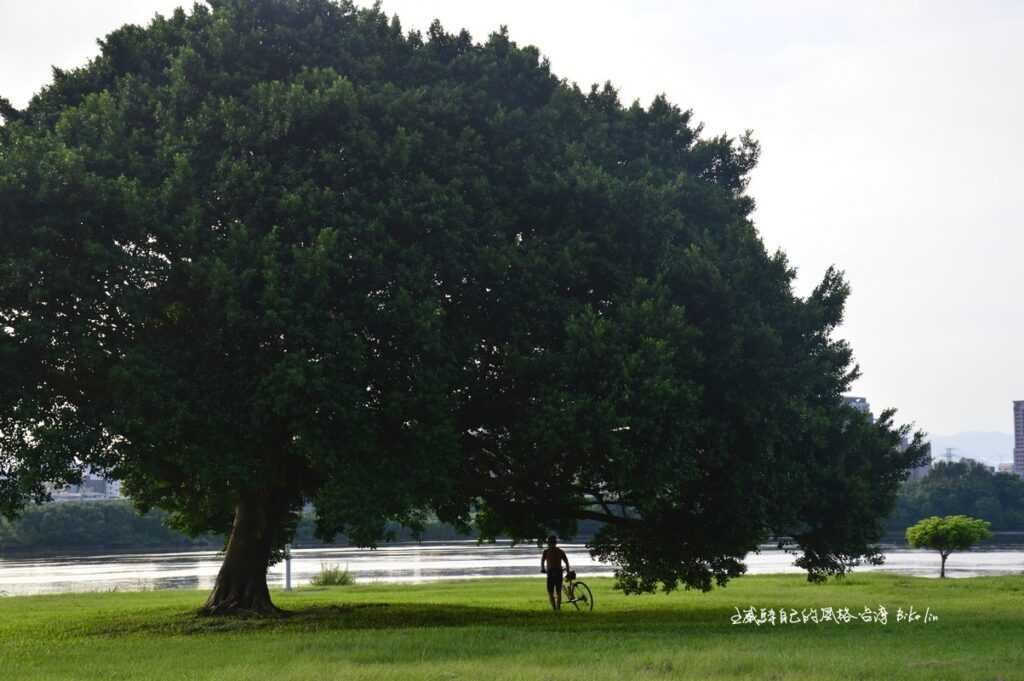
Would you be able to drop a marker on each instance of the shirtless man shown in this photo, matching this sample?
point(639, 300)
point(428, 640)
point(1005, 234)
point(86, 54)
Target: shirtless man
point(551, 563)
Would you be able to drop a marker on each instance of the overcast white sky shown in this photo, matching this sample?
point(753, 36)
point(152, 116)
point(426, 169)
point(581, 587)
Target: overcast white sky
point(892, 147)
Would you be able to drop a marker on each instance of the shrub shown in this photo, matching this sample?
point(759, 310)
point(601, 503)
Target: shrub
point(332, 575)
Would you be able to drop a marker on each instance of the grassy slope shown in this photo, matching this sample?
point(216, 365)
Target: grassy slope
point(500, 629)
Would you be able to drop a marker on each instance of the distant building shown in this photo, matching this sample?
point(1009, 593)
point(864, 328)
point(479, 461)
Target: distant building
point(860, 404)
point(1005, 468)
point(1018, 437)
point(92, 488)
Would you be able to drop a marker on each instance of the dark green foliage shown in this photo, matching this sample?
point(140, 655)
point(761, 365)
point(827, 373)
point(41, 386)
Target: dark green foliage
point(964, 487)
point(93, 525)
point(279, 251)
point(105, 525)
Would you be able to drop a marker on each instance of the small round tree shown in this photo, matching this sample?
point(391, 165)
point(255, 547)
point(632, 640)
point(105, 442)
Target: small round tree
point(949, 534)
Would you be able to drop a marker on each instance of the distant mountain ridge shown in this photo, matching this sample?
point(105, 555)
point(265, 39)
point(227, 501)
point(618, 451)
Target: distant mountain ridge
point(988, 447)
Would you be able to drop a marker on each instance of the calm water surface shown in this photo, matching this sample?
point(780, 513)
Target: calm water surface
point(424, 562)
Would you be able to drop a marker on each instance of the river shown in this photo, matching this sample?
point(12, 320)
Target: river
point(418, 562)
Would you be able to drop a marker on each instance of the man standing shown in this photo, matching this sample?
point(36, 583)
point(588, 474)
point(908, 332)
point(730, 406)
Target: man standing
point(551, 563)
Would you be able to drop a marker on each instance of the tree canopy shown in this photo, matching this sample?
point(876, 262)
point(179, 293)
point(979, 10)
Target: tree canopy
point(277, 251)
point(949, 534)
point(92, 526)
point(964, 487)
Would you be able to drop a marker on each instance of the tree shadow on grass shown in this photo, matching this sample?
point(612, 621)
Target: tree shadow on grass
point(397, 616)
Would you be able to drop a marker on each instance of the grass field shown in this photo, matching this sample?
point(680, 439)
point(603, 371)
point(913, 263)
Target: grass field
point(503, 629)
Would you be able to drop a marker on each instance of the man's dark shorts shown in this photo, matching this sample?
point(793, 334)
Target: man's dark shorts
point(554, 580)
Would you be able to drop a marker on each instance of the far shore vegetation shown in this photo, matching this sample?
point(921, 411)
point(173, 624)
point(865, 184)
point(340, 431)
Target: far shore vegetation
point(961, 488)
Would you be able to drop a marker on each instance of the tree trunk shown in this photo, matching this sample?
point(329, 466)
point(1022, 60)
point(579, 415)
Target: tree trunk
point(241, 586)
point(942, 570)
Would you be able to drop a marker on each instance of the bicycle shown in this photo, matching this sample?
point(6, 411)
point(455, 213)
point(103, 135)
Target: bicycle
point(577, 593)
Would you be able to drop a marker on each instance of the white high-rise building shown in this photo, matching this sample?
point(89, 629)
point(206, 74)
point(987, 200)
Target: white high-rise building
point(1018, 439)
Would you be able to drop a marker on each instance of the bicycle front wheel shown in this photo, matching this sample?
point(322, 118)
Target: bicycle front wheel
point(584, 599)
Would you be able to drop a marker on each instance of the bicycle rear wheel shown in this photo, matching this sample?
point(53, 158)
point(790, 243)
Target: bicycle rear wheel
point(583, 599)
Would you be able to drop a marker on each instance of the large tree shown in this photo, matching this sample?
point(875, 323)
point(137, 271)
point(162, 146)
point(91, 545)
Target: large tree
point(279, 251)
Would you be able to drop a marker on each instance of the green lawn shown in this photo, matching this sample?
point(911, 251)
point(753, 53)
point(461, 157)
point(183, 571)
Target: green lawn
point(503, 629)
